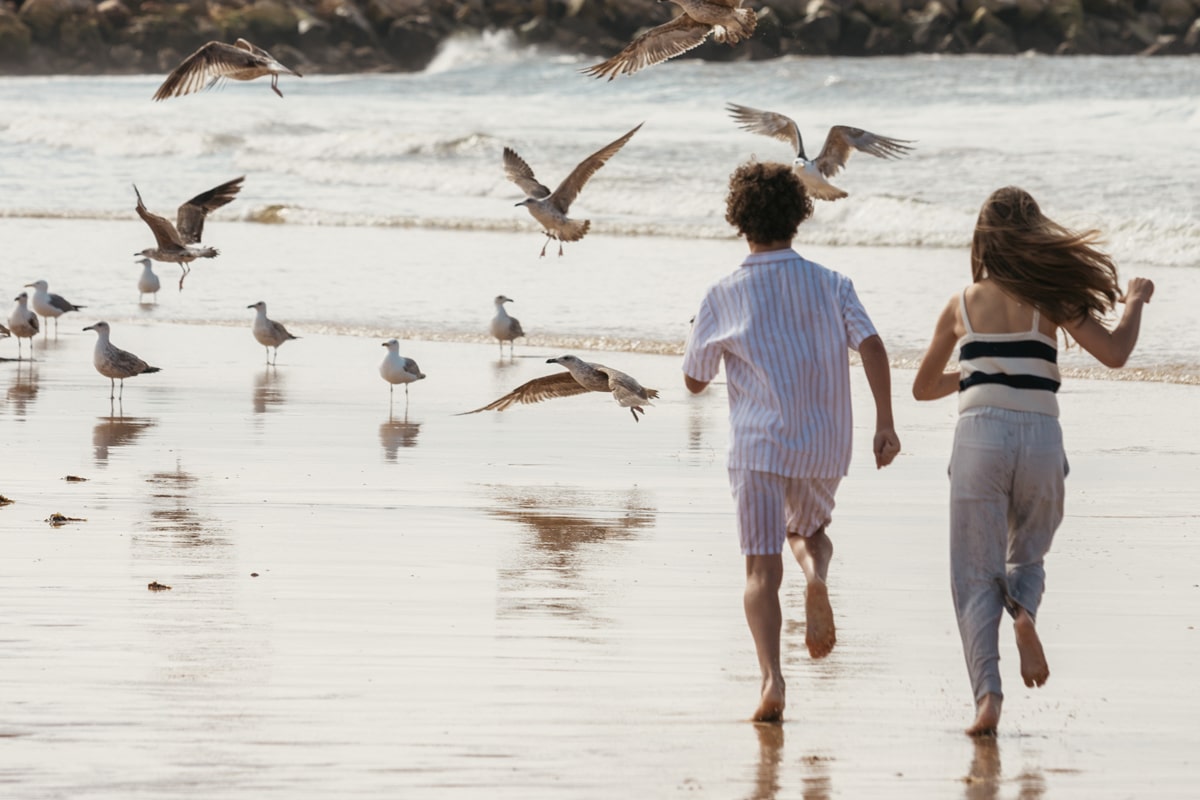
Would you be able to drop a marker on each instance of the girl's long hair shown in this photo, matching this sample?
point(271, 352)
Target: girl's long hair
point(1034, 259)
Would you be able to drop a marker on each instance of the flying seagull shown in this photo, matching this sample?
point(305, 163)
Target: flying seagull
point(148, 282)
point(398, 369)
point(726, 20)
point(580, 377)
point(268, 332)
point(180, 243)
point(50, 305)
point(215, 61)
point(23, 323)
point(114, 363)
point(550, 208)
point(504, 327)
point(839, 144)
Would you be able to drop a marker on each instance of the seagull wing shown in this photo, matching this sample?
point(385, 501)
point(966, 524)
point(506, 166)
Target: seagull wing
point(165, 235)
point(266, 59)
point(279, 331)
point(124, 362)
point(536, 390)
point(190, 221)
point(653, 47)
point(768, 123)
point(842, 140)
point(208, 64)
point(569, 189)
point(517, 171)
point(63, 304)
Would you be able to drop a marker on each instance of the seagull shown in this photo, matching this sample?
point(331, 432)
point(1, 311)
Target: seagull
point(726, 20)
point(504, 327)
point(114, 363)
point(550, 208)
point(268, 332)
point(215, 61)
point(580, 377)
point(50, 305)
point(839, 143)
point(180, 243)
point(398, 369)
point(23, 323)
point(148, 282)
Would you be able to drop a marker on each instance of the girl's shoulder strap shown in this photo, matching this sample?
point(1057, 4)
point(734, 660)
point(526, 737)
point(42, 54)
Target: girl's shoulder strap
point(962, 310)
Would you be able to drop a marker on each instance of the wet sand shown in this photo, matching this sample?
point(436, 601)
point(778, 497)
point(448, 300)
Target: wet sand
point(544, 602)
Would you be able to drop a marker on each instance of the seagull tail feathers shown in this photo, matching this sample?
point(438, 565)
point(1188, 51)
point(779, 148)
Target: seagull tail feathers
point(148, 370)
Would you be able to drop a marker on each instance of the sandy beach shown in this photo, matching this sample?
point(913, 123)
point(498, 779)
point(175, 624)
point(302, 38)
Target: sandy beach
point(544, 602)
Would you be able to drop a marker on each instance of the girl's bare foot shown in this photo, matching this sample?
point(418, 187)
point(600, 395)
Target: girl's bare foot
point(1034, 669)
point(820, 633)
point(987, 717)
point(770, 707)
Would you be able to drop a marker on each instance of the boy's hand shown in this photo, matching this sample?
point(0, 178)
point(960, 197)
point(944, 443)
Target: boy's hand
point(887, 447)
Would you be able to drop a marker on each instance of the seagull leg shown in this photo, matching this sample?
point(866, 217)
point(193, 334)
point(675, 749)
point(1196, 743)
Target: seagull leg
point(560, 248)
point(633, 410)
point(112, 389)
point(275, 84)
point(544, 246)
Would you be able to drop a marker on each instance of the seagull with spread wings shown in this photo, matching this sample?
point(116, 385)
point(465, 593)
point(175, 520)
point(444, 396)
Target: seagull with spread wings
point(216, 61)
point(550, 208)
point(180, 243)
point(580, 377)
point(839, 144)
point(725, 20)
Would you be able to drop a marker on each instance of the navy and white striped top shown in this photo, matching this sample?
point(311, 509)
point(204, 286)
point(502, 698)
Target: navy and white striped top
point(1017, 371)
point(783, 326)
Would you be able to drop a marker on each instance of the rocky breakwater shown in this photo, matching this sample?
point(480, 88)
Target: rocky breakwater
point(88, 36)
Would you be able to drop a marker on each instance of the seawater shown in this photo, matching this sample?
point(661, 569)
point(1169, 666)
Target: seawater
point(377, 203)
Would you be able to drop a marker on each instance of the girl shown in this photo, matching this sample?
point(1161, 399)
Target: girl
point(1031, 277)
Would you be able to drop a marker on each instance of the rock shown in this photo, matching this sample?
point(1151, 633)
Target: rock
point(930, 25)
point(15, 38)
point(1191, 39)
point(881, 12)
point(995, 44)
point(1176, 15)
point(412, 44)
point(44, 17)
point(856, 28)
point(114, 13)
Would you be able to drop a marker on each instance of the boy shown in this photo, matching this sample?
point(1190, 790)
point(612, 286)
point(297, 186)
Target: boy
point(783, 326)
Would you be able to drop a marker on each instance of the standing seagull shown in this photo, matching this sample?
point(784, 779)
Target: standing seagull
point(50, 305)
point(114, 363)
point(148, 282)
point(398, 369)
point(581, 377)
point(550, 208)
point(180, 243)
point(215, 61)
point(268, 332)
point(23, 323)
point(504, 327)
point(839, 144)
point(726, 20)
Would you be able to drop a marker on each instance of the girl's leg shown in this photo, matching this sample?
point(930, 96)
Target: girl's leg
point(980, 474)
point(1037, 511)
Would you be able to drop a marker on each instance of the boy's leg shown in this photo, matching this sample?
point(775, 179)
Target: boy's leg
point(814, 554)
point(764, 575)
point(980, 473)
point(1037, 511)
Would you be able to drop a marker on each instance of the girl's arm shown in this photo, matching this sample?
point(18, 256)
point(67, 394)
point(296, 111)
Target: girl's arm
point(1112, 348)
point(932, 381)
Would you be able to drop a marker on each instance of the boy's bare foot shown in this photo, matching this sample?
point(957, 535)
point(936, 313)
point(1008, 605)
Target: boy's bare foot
point(1034, 669)
point(820, 633)
point(770, 707)
point(987, 717)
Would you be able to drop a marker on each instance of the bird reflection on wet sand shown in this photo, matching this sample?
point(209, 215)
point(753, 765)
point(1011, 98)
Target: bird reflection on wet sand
point(567, 527)
point(171, 498)
point(268, 390)
point(397, 433)
point(117, 431)
point(984, 778)
point(23, 389)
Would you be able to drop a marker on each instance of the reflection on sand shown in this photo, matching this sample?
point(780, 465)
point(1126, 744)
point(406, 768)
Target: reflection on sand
point(117, 431)
point(984, 779)
point(397, 433)
point(770, 753)
point(23, 389)
point(268, 390)
point(172, 510)
point(569, 530)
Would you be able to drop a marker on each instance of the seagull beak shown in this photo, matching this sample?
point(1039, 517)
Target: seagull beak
point(90, 327)
point(250, 306)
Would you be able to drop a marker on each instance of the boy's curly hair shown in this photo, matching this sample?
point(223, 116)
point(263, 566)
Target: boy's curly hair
point(766, 202)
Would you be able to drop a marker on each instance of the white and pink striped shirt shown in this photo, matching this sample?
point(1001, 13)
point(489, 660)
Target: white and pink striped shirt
point(783, 324)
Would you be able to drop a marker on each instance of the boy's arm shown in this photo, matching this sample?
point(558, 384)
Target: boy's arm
point(879, 376)
point(1112, 348)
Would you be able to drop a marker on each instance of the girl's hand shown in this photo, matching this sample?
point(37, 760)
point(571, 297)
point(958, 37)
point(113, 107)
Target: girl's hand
point(1140, 289)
